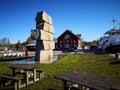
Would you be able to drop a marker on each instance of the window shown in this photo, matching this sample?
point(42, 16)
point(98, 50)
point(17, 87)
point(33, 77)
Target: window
point(67, 36)
point(60, 45)
point(67, 45)
point(60, 42)
point(74, 41)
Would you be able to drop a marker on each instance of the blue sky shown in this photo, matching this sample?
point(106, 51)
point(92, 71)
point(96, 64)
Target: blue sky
point(90, 18)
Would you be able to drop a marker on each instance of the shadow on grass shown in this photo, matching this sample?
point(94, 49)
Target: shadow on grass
point(99, 52)
point(95, 51)
point(115, 62)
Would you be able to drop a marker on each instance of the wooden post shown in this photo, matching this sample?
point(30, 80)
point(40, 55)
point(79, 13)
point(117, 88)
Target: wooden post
point(19, 84)
point(43, 74)
point(15, 85)
point(27, 77)
point(116, 56)
point(34, 75)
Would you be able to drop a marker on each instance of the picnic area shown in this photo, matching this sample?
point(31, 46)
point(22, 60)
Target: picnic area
point(102, 65)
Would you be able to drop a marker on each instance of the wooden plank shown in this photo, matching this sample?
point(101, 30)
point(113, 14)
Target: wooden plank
point(10, 77)
point(25, 67)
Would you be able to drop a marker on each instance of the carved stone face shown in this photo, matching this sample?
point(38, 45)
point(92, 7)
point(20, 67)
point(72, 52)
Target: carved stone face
point(35, 34)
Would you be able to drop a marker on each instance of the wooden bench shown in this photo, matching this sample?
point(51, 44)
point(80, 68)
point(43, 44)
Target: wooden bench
point(40, 74)
point(15, 80)
point(93, 82)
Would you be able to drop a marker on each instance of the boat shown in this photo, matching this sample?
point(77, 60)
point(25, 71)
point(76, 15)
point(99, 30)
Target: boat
point(110, 42)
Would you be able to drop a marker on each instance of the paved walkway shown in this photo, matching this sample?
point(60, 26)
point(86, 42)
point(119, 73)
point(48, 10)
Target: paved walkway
point(88, 51)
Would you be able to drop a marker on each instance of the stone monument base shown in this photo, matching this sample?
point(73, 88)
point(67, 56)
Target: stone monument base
point(44, 56)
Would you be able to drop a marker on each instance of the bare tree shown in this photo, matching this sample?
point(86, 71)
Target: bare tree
point(4, 41)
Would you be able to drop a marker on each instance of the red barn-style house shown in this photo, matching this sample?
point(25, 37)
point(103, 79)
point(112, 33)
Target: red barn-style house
point(69, 40)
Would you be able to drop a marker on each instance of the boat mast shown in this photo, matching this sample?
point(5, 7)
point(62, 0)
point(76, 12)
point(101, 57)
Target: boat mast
point(119, 25)
point(113, 21)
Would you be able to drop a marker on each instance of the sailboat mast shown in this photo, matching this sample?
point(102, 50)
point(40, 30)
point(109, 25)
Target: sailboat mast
point(113, 21)
point(119, 25)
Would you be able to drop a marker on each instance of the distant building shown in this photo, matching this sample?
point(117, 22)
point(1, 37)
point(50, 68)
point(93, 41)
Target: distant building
point(31, 47)
point(69, 40)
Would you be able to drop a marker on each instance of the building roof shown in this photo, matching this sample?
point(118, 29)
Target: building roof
point(31, 44)
point(76, 35)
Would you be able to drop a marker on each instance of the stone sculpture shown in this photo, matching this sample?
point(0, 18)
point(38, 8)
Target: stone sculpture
point(43, 34)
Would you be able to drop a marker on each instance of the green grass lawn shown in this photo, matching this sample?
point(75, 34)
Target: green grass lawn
point(97, 64)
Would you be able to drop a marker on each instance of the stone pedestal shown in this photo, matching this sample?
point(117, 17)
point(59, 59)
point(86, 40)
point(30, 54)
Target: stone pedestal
point(44, 56)
point(43, 34)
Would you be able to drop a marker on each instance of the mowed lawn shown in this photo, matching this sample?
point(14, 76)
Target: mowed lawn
point(97, 64)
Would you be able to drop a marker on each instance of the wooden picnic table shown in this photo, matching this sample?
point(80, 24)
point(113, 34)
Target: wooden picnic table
point(27, 69)
point(89, 81)
point(25, 73)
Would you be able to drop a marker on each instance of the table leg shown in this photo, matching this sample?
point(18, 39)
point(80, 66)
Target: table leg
point(65, 85)
point(34, 75)
point(16, 85)
point(27, 77)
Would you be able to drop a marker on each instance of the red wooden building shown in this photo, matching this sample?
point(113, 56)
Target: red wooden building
point(69, 40)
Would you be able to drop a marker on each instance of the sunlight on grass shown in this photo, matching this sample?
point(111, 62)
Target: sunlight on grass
point(91, 63)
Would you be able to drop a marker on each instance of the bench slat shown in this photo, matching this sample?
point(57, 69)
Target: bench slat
point(10, 77)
